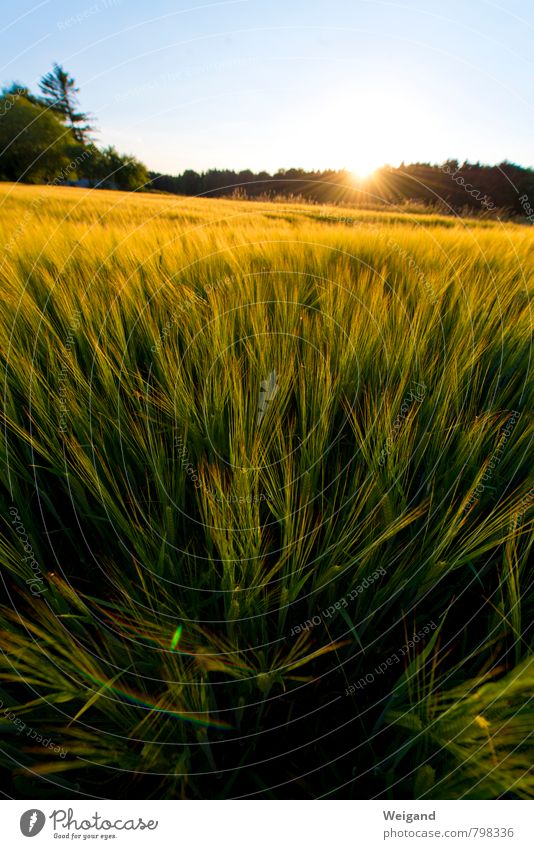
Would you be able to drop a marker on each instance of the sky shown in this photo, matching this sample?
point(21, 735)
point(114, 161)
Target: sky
point(269, 84)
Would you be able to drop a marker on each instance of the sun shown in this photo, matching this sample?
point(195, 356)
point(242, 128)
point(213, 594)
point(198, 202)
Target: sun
point(362, 173)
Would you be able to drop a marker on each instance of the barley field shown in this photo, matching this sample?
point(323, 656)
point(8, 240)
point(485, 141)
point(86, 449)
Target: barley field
point(266, 500)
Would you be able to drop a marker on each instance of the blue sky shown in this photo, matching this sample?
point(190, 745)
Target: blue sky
point(266, 84)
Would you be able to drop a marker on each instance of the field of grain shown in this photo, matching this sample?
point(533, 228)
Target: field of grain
point(267, 500)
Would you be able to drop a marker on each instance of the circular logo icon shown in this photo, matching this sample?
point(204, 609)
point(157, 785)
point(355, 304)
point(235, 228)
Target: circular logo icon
point(32, 822)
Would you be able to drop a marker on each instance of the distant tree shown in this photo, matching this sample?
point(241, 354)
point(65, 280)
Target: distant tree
point(16, 90)
point(36, 146)
point(95, 169)
point(123, 172)
point(60, 94)
point(190, 184)
point(452, 165)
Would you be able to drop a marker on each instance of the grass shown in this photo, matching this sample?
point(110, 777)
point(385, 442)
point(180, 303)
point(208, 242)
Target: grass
point(184, 542)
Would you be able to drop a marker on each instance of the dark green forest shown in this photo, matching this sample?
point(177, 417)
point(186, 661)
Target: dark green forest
point(504, 189)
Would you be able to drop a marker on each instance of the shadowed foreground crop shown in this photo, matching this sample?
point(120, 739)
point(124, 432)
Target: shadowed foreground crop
point(267, 501)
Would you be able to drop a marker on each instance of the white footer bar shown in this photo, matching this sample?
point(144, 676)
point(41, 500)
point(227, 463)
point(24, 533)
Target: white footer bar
point(265, 824)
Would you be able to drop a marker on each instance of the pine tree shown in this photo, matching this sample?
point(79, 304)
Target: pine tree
point(60, 94)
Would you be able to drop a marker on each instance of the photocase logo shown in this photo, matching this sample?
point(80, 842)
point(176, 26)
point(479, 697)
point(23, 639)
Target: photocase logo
point(32, 822)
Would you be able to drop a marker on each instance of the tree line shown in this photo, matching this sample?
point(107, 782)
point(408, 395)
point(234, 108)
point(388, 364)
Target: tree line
point(449, 187)
point(47, 138)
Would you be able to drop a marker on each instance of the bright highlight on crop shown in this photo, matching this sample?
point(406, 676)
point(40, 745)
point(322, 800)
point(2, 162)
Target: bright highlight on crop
point(176, 638)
